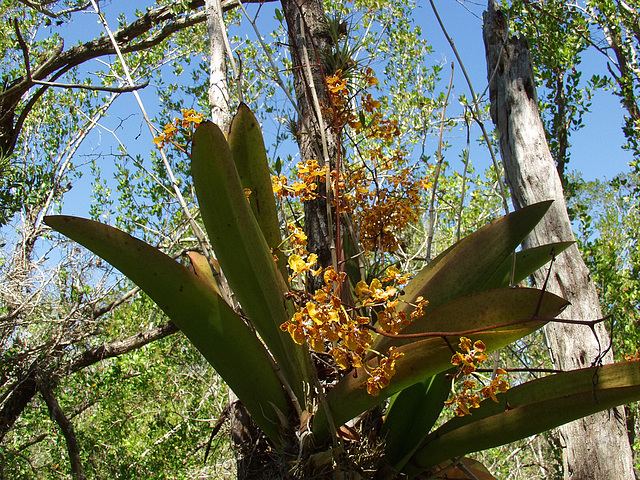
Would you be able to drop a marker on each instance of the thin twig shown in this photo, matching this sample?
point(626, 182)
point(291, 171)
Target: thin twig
point(434, 188)
point(40, 8)
point(464, 176)
point(587, 323)
point(325, 148)
point(69, 151)
point(224, 416)
point(522, 370)
point(27, 66)
point(477, 114)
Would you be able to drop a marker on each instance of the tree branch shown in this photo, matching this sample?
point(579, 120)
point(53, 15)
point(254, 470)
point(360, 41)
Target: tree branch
point(66, 427)
point(120, 347)
point(22, 392)
point(98, 312)
point(62, 61)
point(95, 88)
point(27, 67)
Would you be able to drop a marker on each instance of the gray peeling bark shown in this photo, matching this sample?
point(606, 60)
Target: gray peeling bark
point(597, 447)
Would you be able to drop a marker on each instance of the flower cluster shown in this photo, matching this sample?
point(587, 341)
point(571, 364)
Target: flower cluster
point(300, 260)
point(384, 196)
point(309, 174)
point(383, 207)
point(323, 320)
point(189, 119)
point(467, 361)
point(379, 377)
point(340, 113)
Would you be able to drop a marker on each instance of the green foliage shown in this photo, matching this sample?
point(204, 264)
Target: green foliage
point(558, 35)
point(139, 424)
point(606, 215)
point(137, 415)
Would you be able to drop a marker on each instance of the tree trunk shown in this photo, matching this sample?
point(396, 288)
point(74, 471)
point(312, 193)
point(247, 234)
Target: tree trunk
point(219, 95)
point(597, 447)
point(308, 39)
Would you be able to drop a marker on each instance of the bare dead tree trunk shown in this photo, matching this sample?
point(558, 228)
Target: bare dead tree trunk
point(249, 443)
point(597, 447)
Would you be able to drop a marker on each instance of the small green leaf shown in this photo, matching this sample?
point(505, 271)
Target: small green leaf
point(410, 416)
point(277, 166)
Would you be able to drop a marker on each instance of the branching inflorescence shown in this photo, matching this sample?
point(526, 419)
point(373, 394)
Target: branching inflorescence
point(384, 195)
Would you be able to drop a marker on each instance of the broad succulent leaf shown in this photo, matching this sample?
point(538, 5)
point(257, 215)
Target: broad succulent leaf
point(250, 157)
point(530, 408)
point(411, 414)
point(527, 262)
point(464, 268)
point(424, 358)
point(204, 317)
point(242, 251)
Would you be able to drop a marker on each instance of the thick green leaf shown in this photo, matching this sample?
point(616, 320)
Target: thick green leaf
point(242, 251)
point(464, 268)
point(203, 270)
point(410, 416)
point(211, 325)
point(527, 262)
point(531, 408)
point(430, 356)
point(482, 309)
point(250, 156)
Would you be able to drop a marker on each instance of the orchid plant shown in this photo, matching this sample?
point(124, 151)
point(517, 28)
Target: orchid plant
point(400, 347)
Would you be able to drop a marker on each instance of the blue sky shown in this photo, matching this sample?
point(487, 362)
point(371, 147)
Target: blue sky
point(595, 149)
